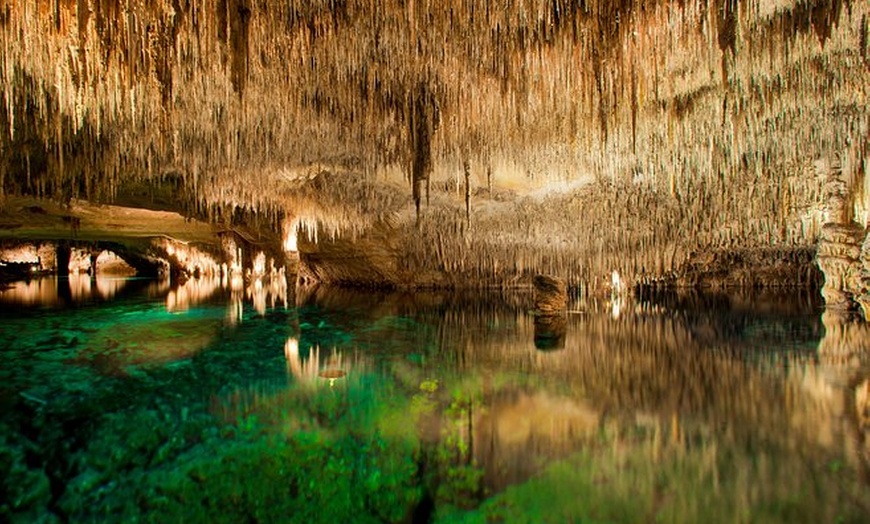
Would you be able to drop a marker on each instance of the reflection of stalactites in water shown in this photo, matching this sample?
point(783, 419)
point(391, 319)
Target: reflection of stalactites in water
point(649, 359)
point(317, 367)
point(108, 287)
point(42, 291)
point(79, 286)
point(302, 371)
point(235, 307)
point(831, 410)
point(615, 307)
point(192, 292)
point(518, 430)
point(862, 425)
point(846, 341)
point(267, 288)
point(257, 294)
point(276, 404)
point(54, 291)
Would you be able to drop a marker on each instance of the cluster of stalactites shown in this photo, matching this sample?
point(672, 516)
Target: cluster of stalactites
point(217, 87)
point(700, 117)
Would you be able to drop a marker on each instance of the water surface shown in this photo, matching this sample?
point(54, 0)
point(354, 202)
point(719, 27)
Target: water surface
point(135, 400)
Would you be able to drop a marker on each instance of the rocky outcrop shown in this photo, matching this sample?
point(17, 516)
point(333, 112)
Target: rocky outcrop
point(840, 247)
point(551, 295)
point(838, 258)
point(844, 252)
point(371, 260)
point(757, 267)
point(551, 303)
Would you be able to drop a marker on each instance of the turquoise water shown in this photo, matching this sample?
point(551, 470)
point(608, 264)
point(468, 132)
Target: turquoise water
point(131, 400)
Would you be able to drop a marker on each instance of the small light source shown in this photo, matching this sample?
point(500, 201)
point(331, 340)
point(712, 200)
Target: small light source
point(332, 375)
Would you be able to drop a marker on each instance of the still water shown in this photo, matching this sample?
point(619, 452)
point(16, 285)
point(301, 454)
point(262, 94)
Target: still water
point(131, 400)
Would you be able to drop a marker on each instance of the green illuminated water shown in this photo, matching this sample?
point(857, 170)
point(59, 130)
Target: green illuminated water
point(133, 401)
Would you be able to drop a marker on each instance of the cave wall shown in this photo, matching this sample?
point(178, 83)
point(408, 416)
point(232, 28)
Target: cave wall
point(560, 136)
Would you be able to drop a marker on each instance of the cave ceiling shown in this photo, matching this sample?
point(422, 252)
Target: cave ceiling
point(458, 117)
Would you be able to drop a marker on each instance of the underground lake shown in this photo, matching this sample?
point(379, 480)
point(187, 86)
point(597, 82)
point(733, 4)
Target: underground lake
point(132, 400)
point(454, 261)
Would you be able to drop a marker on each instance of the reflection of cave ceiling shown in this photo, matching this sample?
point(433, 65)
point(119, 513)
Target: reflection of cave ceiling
point(720, 107)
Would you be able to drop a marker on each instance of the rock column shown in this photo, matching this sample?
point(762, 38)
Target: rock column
point(840, 250)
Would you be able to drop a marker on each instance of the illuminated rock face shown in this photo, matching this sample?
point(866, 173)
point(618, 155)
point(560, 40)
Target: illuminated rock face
point(488, 145)
point(844, 252)
point(839, 251)
point(372, 260)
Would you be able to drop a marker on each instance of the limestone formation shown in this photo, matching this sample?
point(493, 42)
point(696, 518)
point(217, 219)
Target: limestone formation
point(844, 250)
point(551, 302)
point(544, 136)
point(838, 258)
point(551, 295)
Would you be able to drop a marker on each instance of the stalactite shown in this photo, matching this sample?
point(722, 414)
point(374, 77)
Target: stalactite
point(865, 40)
point(421, 127)
point(467, 172)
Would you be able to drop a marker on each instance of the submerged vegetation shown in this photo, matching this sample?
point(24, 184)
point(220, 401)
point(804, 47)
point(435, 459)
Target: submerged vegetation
point(706, 124)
